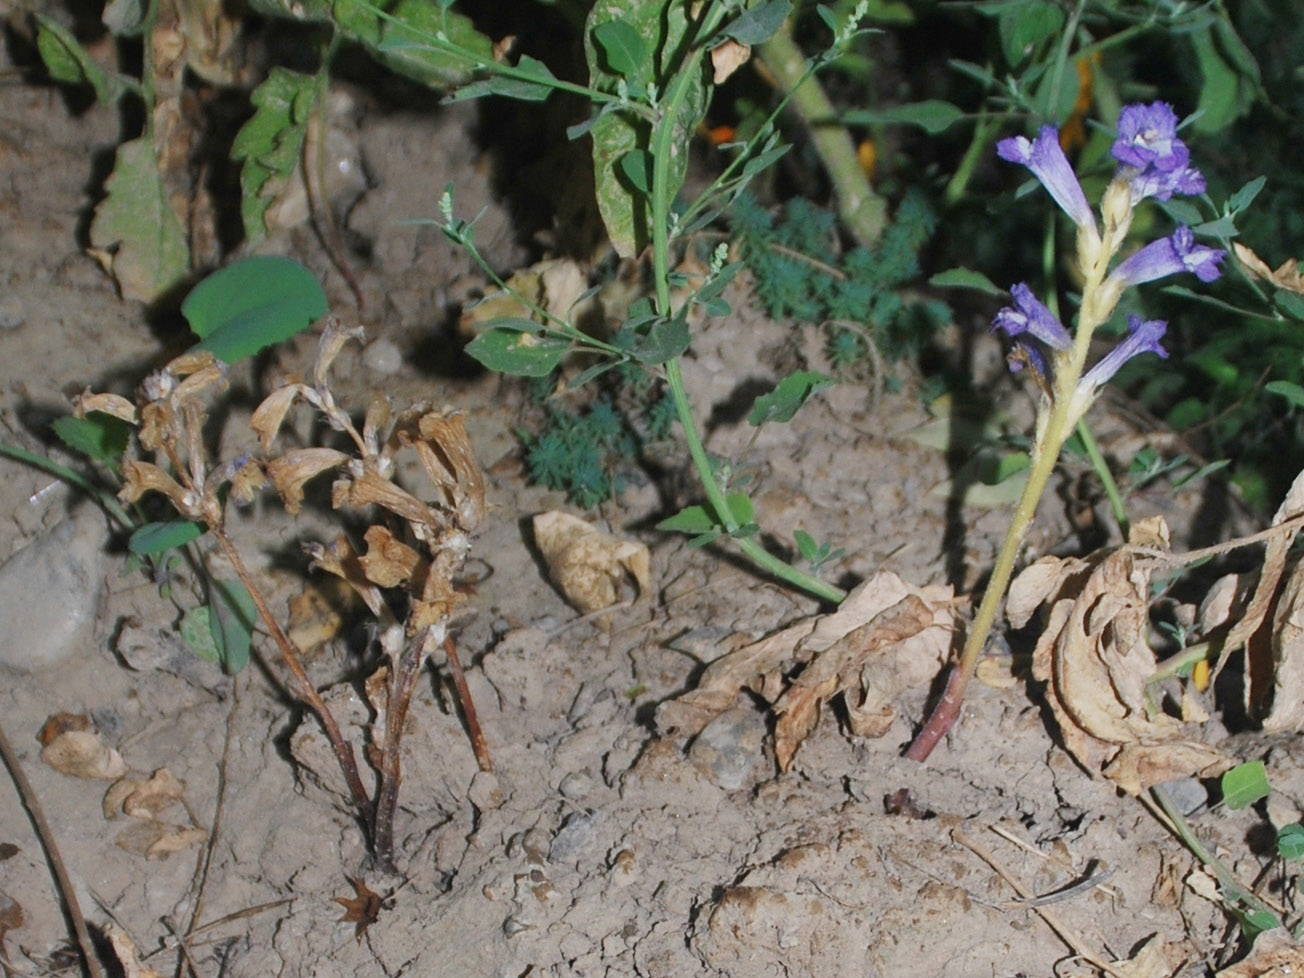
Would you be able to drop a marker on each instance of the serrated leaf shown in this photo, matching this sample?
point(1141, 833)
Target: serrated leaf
point(759, 24)
point(663, 27)
point(690, 519)
point(1245, 784)
point(157, 538)
point(782, 403)
point(270, 143)
point(933, 116)
point(100, 437)
point(967, 278)
point(623, 47)
point(515, 352)
point(251, 304)
point(68, 62)
point(232, 617)
point(135, 232)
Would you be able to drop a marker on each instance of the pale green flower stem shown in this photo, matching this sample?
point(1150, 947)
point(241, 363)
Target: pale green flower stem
point(1066, 405)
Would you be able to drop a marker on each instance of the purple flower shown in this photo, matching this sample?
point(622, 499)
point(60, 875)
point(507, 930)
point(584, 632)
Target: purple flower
point(1048, 163)
point(1153, 160)
point(1030, 316)
point(1143, 337)
point(1168, 256)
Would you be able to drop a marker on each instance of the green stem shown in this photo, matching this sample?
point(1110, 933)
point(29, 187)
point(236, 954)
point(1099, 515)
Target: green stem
point(1106, 477)
point(110, 504)
point(863, 212)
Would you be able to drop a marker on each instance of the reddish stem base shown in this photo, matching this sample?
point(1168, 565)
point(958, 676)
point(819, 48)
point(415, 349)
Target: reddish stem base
point(943, 717)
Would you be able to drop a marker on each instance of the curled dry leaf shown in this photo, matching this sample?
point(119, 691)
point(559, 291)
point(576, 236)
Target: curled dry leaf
point(60, 723)
point(113, 404)
point(1287, 710)
point(1287, 275)
point(587, 564)
point(1275, 955)
point(290, 471)
point(388, 561)
point(81, 754)
point(728, 58)
point(449, 461)
point(143, 798)
point(152, 839)
point(1096, 660)
point(125, 951)
point(268, 417)
point(886, 636)
point(340, 559)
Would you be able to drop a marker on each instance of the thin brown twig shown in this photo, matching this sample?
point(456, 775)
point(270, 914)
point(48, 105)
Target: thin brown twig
point(478, 744)
point(69, 896)
point(1052, 919)
point(400, 688)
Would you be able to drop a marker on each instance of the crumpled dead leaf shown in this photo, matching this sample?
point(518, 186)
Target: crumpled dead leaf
point(1287, 275)
point(1275, 955)
point(727, 58)
point(555, 284)
point(1287, 711)
point(887, 635)
point(125, 951)
point(82, 754)
point(142, 797)
point(587, 564)
point(152, 839)
point(1095, 658)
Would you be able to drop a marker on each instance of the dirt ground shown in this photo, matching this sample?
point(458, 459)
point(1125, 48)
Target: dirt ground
point(600, 846)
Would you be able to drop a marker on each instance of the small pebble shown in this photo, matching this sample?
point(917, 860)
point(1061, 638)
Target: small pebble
point(729, 748)
point(485, 792)
point(13, 312)
point(574, 836)
point(382, 357)
point(1187, 795)
point(49, 592)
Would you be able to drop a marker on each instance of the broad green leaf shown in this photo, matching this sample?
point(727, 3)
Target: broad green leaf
point(515, 352)
point(758, 24)
point(740, 506)
point(271, 142)
point(782, 403)
point(662, 27)
point(1245, 784)
point(1025, 26)
point(712, 289)
point(252, 304)
point(624, 49)
point(636, 165)
point(1290, 841)
point(665, 340)
point(691, 519)
point(68, 62)
point(806, 545)
point(232, 619)
point(100, 437)
point(933, 116)
point(196, 630)
point(967, 278)
point(1290, 391)
point(1221, 98)
point(1291, 303)
point(1245, 196)
point(157, 538)
point(420, 43)
point(516, 88)
point(135, 230)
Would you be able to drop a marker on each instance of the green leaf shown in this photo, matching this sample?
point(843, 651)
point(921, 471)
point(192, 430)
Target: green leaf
point(135, 226)
point(967, 278)
point(157, 538)
point(67, 62)
point(1221, 99)
point(196, 630)
point(1291, 391)
point(420, 41)
point(806, 545)
point(626, 52)
point(1244, 197)
point(1291, 303)
point(517, 88)
point(100, 437)
point(740, 506)
point(663, 28)
point(1245, 784)
point(691, 519)
point(665, 340)
point(252, 304)
point(713, 288)
point(933, 116)
point(759, 24)
point(782, 403)
point(1024, 26)
point(271, 142)
point(231, 618)
point(1290, 841)
point(636, 165)
point(516, 352)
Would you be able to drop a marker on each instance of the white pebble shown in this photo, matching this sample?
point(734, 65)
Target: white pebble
point(382, 357)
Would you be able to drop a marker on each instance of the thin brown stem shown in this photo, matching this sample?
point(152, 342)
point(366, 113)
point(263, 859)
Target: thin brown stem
point(64, 884)
point(302, 688)
point(391, 775)
point(468, 708)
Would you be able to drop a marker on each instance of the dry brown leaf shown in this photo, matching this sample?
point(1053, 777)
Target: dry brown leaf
point(125, 951)
point(1287, 275)
point(314, 618)
point(1150, 961)
point(587, 564)
point(82, 754)
point(449, 461)
point(142, 798)
point(1287, 711)
point(60, 723)
point(388, 562)
point(152, 839)
point(340, 559)
point(1275, 955)
point(11, 916)
point(1035, 583)
point(763, 666)
point(1139, 767)
point(728, 58)
point(290, 471)
point(268, 417)
point(363, 909)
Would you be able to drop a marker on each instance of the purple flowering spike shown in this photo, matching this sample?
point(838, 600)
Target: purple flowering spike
point(1048, 163)
point(1030, 316)
point(1143, 337)
point(1168, 256)
point(1153, 159)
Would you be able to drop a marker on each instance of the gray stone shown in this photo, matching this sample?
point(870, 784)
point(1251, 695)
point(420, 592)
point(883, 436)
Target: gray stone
point(728, 749)
point(49, 592)
point(383, 357)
